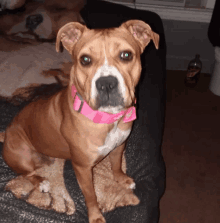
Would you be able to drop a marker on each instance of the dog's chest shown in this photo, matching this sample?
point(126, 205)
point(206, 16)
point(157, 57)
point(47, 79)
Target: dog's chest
point(113, 139)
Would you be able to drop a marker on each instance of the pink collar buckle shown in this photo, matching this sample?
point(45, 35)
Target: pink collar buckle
point(82, 107)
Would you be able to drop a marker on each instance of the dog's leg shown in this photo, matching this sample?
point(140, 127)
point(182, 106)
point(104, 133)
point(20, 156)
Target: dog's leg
point(85, 179)
point(116, 165)
point(111, 194)
point(22, 158)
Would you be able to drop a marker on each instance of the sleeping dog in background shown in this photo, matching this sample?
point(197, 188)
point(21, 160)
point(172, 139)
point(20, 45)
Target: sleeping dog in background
point(39, 20)
point(27, 41)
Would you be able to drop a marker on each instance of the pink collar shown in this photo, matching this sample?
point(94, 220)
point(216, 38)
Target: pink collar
point(97, 116)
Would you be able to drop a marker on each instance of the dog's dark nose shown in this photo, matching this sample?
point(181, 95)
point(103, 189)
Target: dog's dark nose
point(108, 92)
point(107, 84)
point(32, 21)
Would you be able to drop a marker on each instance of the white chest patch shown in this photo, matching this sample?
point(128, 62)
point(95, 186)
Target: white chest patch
point(114, 138)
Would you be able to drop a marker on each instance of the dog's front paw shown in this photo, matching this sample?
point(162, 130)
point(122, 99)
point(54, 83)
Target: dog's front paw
point(96, 218)
point(128, 199)
point(99, 220)
point(115, 195)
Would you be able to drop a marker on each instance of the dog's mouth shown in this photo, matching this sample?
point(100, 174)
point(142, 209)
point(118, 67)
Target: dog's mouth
point(109, 98)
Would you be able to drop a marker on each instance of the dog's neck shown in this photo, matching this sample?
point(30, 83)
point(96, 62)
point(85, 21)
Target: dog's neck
point(82, 107)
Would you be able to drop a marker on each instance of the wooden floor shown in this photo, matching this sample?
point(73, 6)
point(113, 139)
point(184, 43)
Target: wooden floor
point(191, 149)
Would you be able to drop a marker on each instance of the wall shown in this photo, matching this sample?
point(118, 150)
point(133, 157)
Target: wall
point(184, 40)
point(186, 33)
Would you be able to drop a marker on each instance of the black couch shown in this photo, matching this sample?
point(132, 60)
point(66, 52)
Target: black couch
point(143, 153)
point(214, 26)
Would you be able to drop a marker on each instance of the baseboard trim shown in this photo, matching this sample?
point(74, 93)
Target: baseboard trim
point(173, 13)
point(181, 63)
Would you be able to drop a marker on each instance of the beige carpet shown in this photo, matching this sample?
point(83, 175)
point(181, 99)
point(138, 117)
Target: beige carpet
point(191, 150)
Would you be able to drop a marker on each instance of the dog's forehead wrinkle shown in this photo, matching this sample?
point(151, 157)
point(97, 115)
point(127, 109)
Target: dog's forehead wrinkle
point(95, 46)
point(91, 48)
point(115, 44)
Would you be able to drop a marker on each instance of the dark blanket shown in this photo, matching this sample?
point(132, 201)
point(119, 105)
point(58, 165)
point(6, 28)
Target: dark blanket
point(143, 153)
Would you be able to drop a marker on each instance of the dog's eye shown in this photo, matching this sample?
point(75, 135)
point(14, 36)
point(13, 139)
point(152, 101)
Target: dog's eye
point(85, 60)
point(126, 56)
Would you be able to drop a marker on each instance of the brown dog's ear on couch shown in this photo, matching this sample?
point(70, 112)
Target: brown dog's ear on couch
point(142, 32)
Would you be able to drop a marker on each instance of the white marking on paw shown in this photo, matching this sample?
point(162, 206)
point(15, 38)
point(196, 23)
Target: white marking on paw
point(132, 186)
point(44, 186)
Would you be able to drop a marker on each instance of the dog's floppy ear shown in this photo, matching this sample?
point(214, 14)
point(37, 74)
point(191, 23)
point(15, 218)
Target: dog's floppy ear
point(69, 34)
point(142, 32)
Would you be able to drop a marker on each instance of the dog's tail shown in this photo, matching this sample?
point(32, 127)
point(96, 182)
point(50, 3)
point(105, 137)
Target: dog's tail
point(2, 136)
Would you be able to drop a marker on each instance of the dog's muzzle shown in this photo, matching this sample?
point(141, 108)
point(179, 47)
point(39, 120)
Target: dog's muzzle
point(108, 92)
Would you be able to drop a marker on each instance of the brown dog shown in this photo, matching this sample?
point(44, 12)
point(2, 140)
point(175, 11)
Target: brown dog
point(89, 119)
point(26, 37)
point(41, 20)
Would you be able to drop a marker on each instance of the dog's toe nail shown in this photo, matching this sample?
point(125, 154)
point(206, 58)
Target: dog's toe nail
point(44, 186)
point(132, 186)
